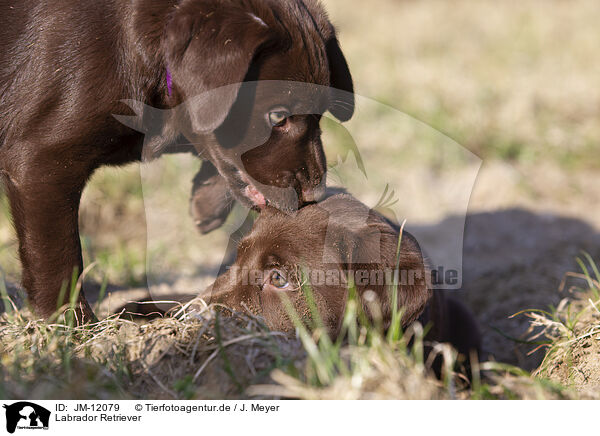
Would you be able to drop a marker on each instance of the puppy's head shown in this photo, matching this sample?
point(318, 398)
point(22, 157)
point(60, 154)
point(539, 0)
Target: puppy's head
point(322, 246)
point(258, 75)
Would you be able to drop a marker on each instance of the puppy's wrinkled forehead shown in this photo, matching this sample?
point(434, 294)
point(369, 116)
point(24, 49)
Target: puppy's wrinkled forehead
point(289, 236)
point(305, 234)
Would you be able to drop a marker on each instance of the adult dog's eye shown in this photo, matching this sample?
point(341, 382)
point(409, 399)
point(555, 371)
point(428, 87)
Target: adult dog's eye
point(277, 278)
point(278, 117)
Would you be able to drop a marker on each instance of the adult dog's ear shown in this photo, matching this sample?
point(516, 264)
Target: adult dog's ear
point(342, 103)
point(208, 46)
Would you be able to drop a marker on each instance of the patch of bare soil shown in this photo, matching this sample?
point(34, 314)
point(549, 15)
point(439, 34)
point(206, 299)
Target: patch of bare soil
point(573, 358)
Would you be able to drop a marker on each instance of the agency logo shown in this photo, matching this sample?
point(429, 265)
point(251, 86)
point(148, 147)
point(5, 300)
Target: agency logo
point(26, 415)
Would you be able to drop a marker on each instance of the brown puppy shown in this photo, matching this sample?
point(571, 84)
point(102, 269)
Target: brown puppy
point(65, 66)
point(328, 242)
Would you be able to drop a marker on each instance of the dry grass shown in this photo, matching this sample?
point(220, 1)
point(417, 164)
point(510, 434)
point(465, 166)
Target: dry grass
point(572, 330)
point(203, 355)
point(211, 353)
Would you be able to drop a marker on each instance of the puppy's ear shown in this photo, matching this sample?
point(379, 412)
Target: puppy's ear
point(209, 46)
point(374, 248)
point(413, 288)
point(342, 103)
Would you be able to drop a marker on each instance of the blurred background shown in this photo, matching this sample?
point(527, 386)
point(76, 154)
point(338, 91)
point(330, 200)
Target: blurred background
point(515, 83)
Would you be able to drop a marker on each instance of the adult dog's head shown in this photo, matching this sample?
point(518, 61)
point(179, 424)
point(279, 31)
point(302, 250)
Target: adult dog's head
point(256, 76)
point(324, 246)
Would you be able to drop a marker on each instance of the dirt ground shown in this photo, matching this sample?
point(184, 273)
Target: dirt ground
point(573, 358)
point(517, 252)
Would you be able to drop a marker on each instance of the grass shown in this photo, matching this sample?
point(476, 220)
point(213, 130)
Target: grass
point(510, 81)
point(572, 330)
point(213, 353)
point(206, 352)
point(204, 356)
point(366, 362)
point(363, 362)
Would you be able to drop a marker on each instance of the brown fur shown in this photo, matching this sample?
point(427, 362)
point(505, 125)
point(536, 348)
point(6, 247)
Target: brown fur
point(211, 200)
point(65, 66)
point(339, 234)
point(351, 237)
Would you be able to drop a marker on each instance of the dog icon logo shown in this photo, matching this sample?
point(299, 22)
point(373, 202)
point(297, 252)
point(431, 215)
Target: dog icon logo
point(26, 415)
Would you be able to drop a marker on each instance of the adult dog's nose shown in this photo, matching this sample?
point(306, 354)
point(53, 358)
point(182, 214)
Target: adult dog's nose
point(311, 184)
point(313, 194)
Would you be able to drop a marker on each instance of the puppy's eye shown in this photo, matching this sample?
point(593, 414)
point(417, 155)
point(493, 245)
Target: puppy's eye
point(277, 278)
point(278, 117)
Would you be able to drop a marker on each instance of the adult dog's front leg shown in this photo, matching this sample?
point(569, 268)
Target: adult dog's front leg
point(44, 196)
point(211, 201)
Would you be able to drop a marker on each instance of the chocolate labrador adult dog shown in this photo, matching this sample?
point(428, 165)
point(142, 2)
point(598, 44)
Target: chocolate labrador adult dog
point(65, 65)
point(322, 245)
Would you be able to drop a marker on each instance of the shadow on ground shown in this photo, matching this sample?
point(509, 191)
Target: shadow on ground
point(515, 260)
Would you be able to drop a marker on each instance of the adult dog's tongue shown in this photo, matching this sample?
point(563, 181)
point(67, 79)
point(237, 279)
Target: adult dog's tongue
point(255, 196)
